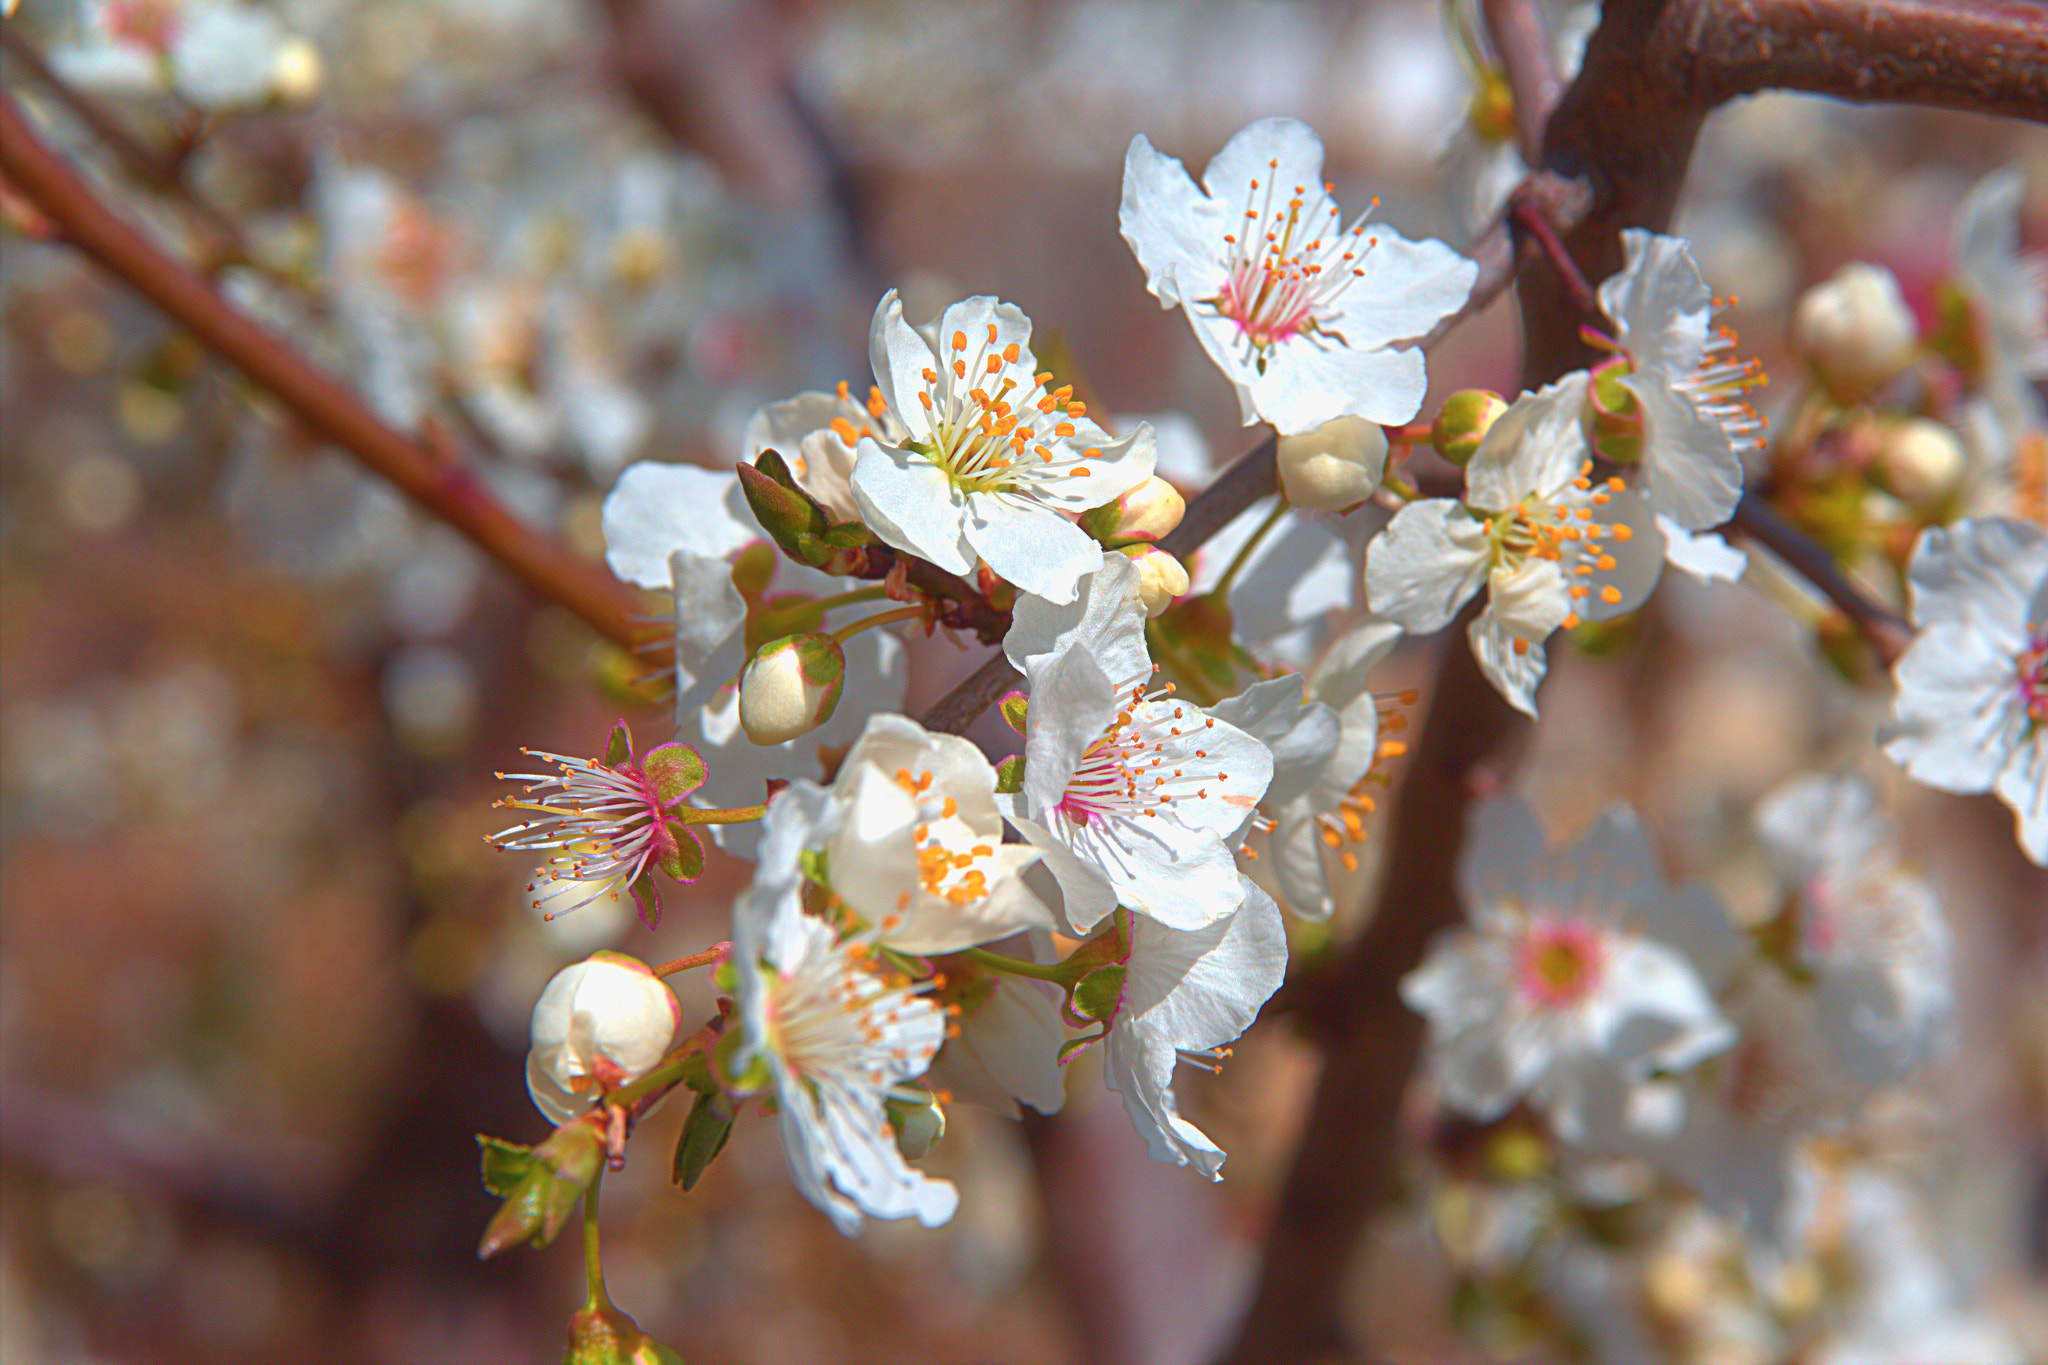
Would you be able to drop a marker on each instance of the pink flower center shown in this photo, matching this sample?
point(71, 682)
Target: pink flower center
point(145, 23)
point(1282, 271)
point(1558, 962)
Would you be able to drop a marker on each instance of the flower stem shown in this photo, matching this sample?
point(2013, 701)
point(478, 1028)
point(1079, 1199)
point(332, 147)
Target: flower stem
point(846, 599)
point(673, 1067)
point(736, 815)
point(1244, 551)
point(853, 628)
point(1017, 966)
point(595, 1300)
point(709, 957)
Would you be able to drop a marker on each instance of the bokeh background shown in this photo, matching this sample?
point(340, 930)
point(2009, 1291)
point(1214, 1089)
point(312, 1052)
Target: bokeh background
point(261, 978)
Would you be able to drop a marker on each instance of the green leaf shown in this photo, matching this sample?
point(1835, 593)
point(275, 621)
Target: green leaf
point(1014, 708)
point(505, 1164)
point(647, 899)
point(1073, 1047)
point(542, 1199)
point(1010, 774)
point(619, 748)
point(674, 771)
point(783, 510)
point(703, 1137)
point(1097, 995)
point(686, 862)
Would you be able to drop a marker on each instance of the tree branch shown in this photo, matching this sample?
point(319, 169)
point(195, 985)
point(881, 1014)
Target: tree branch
point(1887, 631)
point(326, 406)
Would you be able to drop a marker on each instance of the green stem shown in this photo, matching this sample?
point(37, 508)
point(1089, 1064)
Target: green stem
point(1244, 551)
point(1017, 966)
point(673, 1067)
point(1189, 674)
point(593, 1264)
point(853, 628)
point(874, 593)
point(736, 815)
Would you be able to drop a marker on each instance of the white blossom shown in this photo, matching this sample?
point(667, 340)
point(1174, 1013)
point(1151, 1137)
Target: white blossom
point(818, 434)
point(1551, 545)
point(991, 461)
point(1301, 313)
point(1696, 422)
point(1582, 967)
point(2007, 292)
point(838, 1033)
point(1133, 796)
point(1972, 708)
point(1187, 993)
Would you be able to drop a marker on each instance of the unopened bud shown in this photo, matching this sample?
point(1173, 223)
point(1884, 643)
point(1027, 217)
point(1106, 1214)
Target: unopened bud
point(600, 1024)
point(1161, 577)
point(1461, 424)
point(1920, 460)
point(791, 687)
point(1147, 512)
point(1855, 329)
point(1492, 110)
point(1335, 466)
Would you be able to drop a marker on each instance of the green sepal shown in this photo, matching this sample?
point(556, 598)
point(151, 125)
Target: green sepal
point(918, 1126)
point(673, 771)
point(703, 1137)
point(504, 1163)
point(1014, 708)
point(1010, 775)
point(557, 1173)
point(685, 862)
point(619, 748)
point(1105, 521)
point(605, 1336)
point(816, 865)
point(1074, 1047)
point(755, 1077)
point(1097, 995)
point(647, 899)
point(1615, 414)
point(785, 511)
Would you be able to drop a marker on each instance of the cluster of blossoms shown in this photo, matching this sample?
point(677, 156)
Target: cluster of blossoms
point(1199, 751)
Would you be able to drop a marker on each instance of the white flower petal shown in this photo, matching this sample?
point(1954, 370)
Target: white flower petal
point(910, 503)
point(1427, 563)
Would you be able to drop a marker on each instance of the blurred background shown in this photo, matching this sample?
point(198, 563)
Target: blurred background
point(261, 978)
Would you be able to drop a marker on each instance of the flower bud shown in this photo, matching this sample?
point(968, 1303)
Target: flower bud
point(1854, 329)
point(1161, 577)
point(1337, 465)
point(791, 687)
point(1920, 460)
point(1147, 512)
point(1462, 422)
point(296, 73)
point(600, 1024)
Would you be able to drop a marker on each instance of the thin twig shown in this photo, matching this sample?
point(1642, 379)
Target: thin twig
point(1520, 37)
point(1887, 631)
point(1527, 216)
point(325, 405)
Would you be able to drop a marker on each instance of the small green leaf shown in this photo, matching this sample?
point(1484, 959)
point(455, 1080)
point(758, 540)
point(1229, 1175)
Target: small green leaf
point(619, 749)
point(686, 862)
point(674, 771)
point(703, 1137)
point(1010, 775)
point(1014, 708)
point(505, 1164)
point(647, 899)
point(783, 510)
point(1097, 995)
point(1074, 1047)
point(540, 1202)
point(815, 864)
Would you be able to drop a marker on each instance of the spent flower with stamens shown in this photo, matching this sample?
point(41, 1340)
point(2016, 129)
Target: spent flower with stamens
point(1695, 419)
point(992, 459)
point(1300, 312)
point(609, 824)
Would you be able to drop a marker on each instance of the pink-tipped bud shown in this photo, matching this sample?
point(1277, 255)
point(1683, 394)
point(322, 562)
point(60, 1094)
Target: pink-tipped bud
point(1855, 329)
point(1147, 512)
point(1161, 577)
point(1462, 423)
point(1335, 466)
point(791, 687)
point(599, 1024)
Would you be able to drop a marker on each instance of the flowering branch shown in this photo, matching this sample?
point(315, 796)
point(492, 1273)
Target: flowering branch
point(1887, 632)
point(326, 406)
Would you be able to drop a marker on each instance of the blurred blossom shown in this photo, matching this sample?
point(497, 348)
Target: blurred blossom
point(431, 694)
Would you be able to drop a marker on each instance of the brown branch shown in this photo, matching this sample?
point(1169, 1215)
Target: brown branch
point(325, 405)
point(1887, 631)
point(1519, 36)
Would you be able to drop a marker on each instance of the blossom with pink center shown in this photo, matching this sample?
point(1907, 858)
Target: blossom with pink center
point(1301, 312)
point(1972, 709)
point(1582, 969)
